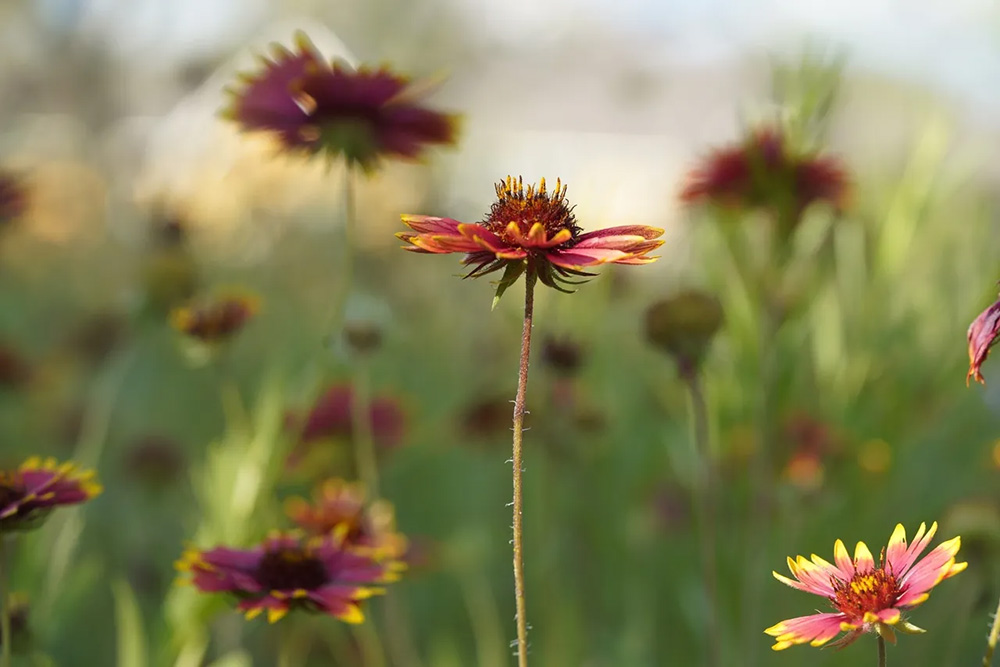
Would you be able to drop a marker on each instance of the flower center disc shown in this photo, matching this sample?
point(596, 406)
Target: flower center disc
point(527, 206)
point(291, 569)
point(867, 592)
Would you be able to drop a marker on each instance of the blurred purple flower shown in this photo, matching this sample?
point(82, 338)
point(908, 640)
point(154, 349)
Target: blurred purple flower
point(28, 494)
point(330, 417)
point(982, 336)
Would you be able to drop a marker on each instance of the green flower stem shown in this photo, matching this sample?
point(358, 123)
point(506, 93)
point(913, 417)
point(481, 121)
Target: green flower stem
point(704, 500)
point(345, 277)
point(881, 651)
point(361, 427)
point(6, 636)
point(991, 641)
point(371, 645)
point(522, 386)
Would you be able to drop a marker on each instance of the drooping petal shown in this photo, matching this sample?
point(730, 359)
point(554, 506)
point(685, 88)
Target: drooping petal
point(815, 629)
point(982, 335)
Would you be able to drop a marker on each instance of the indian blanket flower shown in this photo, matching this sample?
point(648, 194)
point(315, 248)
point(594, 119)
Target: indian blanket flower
point(866, 597)
point(288, 572)
point(316, 106)
point(982, 336)
point(764, 171)
point(342, 508)
point(330, 417)
point(216, 320)
point(38, 486)
point(530, 229)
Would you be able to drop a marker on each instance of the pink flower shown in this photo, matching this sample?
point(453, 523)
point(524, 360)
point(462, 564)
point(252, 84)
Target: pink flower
point(982, 336)
point(866, 597)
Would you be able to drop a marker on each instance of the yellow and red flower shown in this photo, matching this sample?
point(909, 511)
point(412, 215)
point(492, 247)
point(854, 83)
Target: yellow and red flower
point(530, 228)
point(982, 336)
point(288, 572)
point(28, 494)
point(216, 320)
point(340, 507)
point(866, 597)
point(317, 106)
point(763, 171)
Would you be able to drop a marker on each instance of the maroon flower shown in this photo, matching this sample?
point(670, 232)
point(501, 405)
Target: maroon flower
point(529, 228)
point(982, 336)
point(214, 321)
point(13, 197)
point(330, 417)
point(28, 494)
point(315, 106)
point(342, 508)
point(286, 572)
point(763, 171)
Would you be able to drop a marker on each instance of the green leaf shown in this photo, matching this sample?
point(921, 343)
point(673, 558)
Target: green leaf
point(510, 276)
point(128, 623)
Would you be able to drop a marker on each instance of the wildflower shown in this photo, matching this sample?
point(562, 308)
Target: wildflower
point(563, 356)
point(530, 228)
point(330, 417)
point(287, 572)
point(341, 507)
point(13, 197)
point(314, 106)
point(155, 460)
point(28, 494)
point(683, 326)
point(866, 597)
point(982, 336)
point(214, 321)
point(763, 171)
point(14, 369)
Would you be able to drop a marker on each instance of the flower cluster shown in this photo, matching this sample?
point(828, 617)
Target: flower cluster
point(866, 597)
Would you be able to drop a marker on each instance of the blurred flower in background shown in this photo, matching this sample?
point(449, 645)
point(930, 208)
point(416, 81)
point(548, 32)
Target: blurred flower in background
point(315, 107)
point(286, 572)
point(15, 372)
point(19, 609)
point(867, 598)
point(683, 325)
point(215, 320)
point(982, 335)
point(154, 460)
point(13, 197)
point(29, 493)
point(330, 418)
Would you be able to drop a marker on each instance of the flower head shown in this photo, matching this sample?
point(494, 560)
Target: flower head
point(317, 106)
point(28, 494)
point(684, 325)
point(216, 320)
point(866, 597)
point(340, 507)
point(763, 171)
point(13, 197)
point(530, 228)
point(982, 336)
point(287, 572)
point(330, 417)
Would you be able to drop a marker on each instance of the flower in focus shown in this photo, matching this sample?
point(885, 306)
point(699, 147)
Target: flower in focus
point(13, 197)
point(214, 321)
point(683, 326)
point(982, 336)
point(28, 494)
point(287, 572)
point(314, 106)
point(866, 597)
point(330, 417)
point(340, 507)
point(530, 228)
point(763, 171)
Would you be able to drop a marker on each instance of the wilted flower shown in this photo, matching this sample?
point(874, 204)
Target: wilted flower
point(866, 597)
point(330, 417)
point(13, 197)
point(764, 171)
point(982, 336)
point(314, 106)
point(529, 228)
point(28, 494)
point(214, 321)
point(340, 507)
point(287, 572)
point(683, 326)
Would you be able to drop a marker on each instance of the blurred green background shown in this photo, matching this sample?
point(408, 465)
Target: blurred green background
point(109, 114)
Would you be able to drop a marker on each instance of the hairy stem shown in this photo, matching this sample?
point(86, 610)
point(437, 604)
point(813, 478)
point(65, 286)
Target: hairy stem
point(881, 651)
point(704, 499)
point(991, 641)
point(518, 428)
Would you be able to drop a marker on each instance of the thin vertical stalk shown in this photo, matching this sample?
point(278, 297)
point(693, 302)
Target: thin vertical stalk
point(518, 428)
point(362, 437)
point(991, 641)
point(704, 500)
point(881, 651)
point(6, 636)
point(345, 273)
